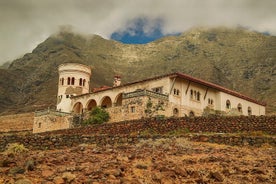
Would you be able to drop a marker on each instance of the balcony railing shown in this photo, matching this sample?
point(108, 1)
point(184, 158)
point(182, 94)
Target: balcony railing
point(138, 93)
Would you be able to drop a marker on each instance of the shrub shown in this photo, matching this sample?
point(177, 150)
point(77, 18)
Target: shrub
point(97, 116)
point(15, 148)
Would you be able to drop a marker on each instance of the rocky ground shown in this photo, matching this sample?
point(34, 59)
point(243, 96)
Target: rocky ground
point(160, 161)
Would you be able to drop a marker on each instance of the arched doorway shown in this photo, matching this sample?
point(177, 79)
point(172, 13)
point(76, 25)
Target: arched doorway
point(119, 99)
point(78, 108)
point(106, 102)
point(91, 104)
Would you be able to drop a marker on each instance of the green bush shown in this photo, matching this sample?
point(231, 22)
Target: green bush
point(97, 116)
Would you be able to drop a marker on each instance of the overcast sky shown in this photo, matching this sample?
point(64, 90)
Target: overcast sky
point(26, 23)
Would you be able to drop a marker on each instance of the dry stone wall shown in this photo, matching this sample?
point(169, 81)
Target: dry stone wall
point(217, 124)
point(131, 132)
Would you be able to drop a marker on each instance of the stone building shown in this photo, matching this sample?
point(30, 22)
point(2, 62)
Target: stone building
point(174, 94)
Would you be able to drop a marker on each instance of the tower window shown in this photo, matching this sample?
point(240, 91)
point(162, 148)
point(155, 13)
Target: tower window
point(62, 81)
point(80, 82)
point(73, 81)
point(68, 81)
point(83, 82)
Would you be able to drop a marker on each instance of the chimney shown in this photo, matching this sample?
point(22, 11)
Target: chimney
point(117, 81)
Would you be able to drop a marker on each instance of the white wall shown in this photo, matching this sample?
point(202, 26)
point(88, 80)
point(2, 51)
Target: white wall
point(256, 108)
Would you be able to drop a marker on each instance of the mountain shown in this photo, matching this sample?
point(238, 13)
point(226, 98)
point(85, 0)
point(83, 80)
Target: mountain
point(238, 59)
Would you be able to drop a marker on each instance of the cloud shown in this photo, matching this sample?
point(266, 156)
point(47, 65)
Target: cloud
point(26, 23)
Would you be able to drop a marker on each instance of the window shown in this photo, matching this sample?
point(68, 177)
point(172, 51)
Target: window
point(175, 112)
point(198, 96)
point(62, 81)
point(68, 81)
point(158, 90)
point(228, 104)
point(83, 82)
point(239, 107)
point(210, 101)
point(176, 92)
point(67, 96)
point(249, 111)
point(191, 114)
point(195, 95)
point(73, 81)
point(39, 125)
point(132, 109)
point(80, 83)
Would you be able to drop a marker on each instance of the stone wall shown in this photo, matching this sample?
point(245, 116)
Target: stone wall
point(136, 106)
point(17, 122)
point(44, 142)
point(51, 120)
point(247, 131)
point(218, 124)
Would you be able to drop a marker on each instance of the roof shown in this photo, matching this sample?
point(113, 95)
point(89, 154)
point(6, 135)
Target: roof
point(189, 78)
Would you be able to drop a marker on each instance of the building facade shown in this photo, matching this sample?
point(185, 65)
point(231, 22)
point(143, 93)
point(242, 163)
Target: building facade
point(174, 94)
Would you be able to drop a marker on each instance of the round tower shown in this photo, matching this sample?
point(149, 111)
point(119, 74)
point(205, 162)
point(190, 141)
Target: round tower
point(74, 79)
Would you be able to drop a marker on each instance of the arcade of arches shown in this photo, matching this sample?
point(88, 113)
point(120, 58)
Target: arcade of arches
point(105, 102)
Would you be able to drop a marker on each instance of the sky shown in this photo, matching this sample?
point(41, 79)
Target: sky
point(26, 23)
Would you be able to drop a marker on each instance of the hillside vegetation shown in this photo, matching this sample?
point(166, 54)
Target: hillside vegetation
point(238, 59)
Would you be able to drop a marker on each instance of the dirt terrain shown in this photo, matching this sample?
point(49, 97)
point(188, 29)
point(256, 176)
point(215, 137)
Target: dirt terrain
point(165, 161)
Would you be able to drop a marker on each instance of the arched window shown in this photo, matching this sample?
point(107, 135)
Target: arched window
point(191, 94)
point(73, 81)
point(228, 104)
point(249, 111)
point(175, 112)
point(191, 114)
point(198, 96)
point(83, 82)
point(195, 94)
point(62, 81)
point(80, 83)
point(68, 81)
point(239, 107)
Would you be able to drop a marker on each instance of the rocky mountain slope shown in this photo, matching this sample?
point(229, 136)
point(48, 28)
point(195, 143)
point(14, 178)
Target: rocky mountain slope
point(238, 59)
point(150, 161)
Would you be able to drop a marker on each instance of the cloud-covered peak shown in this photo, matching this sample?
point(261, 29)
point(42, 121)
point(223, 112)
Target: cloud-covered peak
point(24, 24)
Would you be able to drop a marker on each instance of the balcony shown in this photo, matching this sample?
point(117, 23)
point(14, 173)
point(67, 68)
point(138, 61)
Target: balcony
point(145, 92)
